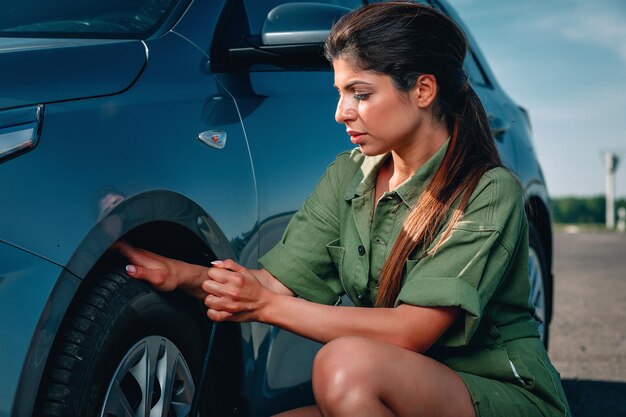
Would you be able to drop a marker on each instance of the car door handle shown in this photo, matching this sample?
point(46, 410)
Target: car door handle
point(19, 130)
point(497, 126)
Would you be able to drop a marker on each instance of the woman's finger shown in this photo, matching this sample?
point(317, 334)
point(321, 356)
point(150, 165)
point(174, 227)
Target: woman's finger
point(135, 271)
point(139, 272)
point(222, 304)
point(155, 278)
point(215, 315)
point(138, 256)
point(213, 287)
point(125, 249)
point(225, 276)
point(228, 264)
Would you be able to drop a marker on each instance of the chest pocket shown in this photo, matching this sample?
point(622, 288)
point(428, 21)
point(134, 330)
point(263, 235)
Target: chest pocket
point(337, 254)
point(408, 267)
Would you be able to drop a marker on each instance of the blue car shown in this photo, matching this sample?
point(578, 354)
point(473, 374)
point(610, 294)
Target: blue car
point(194, 129)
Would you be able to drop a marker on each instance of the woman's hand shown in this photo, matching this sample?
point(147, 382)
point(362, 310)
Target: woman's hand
point(234, 293)
point(164, 274)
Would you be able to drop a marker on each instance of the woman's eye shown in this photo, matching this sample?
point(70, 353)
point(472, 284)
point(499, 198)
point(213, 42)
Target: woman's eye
point(361, 96)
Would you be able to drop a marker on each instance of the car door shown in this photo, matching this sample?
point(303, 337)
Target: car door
point(288, 116)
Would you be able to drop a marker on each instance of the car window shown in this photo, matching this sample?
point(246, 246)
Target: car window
point(257, 10)
point(126, 19)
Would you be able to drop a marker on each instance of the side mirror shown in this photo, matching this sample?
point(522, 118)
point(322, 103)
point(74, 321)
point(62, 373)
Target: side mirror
point(293, 35)
point(300, 23)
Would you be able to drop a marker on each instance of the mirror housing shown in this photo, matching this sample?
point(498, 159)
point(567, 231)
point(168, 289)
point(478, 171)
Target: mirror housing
point(293, 35)
point(300, 23)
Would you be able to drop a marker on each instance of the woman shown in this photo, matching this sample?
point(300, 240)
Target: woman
point(420, 221)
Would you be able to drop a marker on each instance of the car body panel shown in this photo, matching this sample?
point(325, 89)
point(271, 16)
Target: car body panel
point(76, 139)
point(37, 71)
point(26, 285)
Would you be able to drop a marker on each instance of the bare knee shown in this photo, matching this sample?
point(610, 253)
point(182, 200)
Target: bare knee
point(342, 360)
point(355, 376)
point(343, 376)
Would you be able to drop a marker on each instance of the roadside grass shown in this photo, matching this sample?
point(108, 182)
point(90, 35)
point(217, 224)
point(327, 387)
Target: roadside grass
point(583, 228)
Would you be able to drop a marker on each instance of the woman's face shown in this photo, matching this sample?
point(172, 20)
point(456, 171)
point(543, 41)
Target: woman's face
point(379, 118)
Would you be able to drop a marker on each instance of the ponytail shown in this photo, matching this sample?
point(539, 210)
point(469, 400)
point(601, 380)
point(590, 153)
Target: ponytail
point(471, 152)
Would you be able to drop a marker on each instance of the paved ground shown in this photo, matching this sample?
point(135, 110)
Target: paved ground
point(588, 340)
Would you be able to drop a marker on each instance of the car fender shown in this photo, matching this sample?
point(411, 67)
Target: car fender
point(57, 285)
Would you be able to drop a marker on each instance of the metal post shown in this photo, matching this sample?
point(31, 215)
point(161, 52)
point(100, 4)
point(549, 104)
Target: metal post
point(621, 219)
point(611, 166)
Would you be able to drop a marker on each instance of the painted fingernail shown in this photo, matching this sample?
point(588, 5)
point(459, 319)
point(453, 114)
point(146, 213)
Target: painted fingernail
point(131, 269)
point(216, 263)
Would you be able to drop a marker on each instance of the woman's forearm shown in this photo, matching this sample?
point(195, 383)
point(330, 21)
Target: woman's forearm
point(411, 327)
point(190, 278)
point(236, 293)
point(271, 282)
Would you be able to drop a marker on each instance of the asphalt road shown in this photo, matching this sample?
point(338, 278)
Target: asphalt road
point(588, 332)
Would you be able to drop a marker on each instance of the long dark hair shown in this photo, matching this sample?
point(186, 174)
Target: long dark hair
point(404, 40)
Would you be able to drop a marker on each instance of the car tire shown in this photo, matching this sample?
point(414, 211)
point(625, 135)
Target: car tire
point(124, 349)
point(540, 284)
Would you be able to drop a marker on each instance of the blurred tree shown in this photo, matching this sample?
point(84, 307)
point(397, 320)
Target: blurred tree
point(581, 209)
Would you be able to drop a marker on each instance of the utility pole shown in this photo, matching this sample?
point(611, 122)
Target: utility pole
point(611, 166)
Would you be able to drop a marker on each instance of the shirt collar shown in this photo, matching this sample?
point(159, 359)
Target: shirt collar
point(408, 191)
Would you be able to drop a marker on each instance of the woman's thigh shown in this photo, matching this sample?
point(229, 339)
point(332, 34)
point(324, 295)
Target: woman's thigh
point(407, 383)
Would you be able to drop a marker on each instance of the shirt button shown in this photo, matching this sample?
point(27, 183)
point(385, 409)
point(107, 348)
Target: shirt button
point(361, 250)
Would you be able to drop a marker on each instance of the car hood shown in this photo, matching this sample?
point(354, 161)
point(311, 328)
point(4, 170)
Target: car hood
point(39, 71)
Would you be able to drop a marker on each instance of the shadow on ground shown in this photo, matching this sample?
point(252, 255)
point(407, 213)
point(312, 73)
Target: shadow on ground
point(595, 398)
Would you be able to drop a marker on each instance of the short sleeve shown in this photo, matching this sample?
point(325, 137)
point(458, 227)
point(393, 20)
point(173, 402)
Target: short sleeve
point(469, 267)
point(301, 260)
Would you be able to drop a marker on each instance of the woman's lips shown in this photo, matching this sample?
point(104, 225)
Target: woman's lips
point(356, 137)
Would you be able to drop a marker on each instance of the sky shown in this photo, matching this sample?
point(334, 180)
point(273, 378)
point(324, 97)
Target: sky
point(565, 62)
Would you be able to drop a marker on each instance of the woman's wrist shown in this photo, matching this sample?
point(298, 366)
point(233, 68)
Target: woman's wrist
point(189, 278)
point(270, 304)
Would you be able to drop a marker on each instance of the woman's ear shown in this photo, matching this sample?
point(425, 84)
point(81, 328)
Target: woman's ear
point(424, 91)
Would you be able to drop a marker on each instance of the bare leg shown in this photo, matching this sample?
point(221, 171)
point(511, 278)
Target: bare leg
point(354, 376)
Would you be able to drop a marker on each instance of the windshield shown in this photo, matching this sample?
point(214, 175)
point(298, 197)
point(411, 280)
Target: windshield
point(125, 19)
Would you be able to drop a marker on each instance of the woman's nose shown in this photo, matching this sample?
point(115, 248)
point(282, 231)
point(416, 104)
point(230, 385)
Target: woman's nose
point(344, 112)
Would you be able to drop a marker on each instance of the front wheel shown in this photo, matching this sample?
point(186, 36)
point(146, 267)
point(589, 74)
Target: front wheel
point(540, 285)
point(124, 350)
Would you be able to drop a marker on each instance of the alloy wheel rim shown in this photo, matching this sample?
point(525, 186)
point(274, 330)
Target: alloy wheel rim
point(537, 293)
point(151, 380)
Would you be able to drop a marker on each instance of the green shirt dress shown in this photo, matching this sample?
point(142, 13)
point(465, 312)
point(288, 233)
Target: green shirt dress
point(336, 245)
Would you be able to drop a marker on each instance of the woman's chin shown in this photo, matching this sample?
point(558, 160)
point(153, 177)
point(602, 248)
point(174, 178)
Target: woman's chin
point(371, 150)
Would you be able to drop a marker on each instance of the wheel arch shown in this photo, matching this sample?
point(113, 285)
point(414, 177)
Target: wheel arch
point(143, 220)
point(145, 217)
